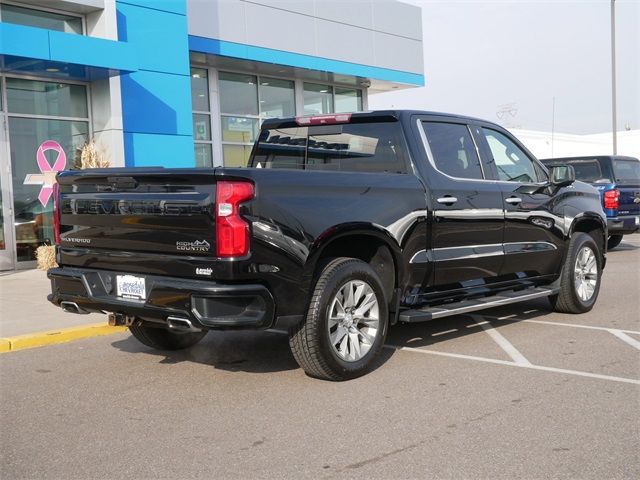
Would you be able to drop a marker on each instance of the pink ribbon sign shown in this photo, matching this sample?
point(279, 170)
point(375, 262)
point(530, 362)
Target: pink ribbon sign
point(47, 175)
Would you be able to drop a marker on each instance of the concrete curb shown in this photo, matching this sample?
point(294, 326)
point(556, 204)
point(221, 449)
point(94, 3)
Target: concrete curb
point(52, 337)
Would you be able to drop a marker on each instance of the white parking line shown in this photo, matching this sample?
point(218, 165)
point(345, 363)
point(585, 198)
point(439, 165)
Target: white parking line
point(520, 365)
point(625, 338)
point(560, 324)
point(502, 342)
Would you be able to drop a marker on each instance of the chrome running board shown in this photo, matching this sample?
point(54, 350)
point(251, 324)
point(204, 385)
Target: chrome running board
point(465, 306)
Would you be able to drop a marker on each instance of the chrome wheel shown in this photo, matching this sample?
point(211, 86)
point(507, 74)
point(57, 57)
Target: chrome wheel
point(585, 274)
point(354, 320)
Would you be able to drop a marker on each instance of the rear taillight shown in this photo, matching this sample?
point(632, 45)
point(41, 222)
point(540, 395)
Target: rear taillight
point(612, 199)
point(56, 213)
point(232, 231)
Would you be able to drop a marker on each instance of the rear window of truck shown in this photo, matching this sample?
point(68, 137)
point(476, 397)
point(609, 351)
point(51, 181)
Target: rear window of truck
point(351, 147)
point(587, 170)
point(626, 171)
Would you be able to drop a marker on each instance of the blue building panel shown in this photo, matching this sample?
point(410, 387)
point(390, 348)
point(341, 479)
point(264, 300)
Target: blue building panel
point(54, 54)
point(91, 51)
point(156, 100)
point(155, 150)
point(159, 38)
point(156, 103)
point(173, 6)
point(27, 42)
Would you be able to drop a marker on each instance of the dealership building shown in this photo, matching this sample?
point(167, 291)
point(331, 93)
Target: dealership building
point(176, 83)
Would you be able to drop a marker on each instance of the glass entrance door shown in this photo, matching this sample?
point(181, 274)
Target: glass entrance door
point(47, 123)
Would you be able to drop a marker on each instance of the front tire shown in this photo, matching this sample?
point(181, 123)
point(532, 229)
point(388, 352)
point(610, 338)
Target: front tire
point(580, 277)
point(346, 323)
point(162, 339)
point(614, 241)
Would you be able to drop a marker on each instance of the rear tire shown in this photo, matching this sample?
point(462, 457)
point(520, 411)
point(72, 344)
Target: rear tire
point(163, 339)
point(580, 277)
point(346, 324)
point(614, 241)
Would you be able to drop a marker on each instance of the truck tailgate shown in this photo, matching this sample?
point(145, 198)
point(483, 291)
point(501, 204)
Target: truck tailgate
point(170, 211)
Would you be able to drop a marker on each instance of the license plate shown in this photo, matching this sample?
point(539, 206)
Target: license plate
point(130, 286)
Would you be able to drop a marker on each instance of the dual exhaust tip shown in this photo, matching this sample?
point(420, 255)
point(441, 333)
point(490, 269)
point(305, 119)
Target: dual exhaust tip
point(173, 323)
point(122, 319)
point(72, 307)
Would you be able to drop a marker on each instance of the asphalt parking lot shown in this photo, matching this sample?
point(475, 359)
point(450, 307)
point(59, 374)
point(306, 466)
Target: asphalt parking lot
point(511, 392)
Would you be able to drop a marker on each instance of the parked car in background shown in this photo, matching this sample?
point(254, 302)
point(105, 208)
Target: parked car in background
point(618, 180)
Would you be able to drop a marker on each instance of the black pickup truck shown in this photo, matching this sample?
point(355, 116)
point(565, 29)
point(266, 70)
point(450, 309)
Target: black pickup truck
point(341, 226)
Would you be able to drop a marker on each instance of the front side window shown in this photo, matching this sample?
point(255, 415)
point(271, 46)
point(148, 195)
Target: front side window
point(41, 19)
point(512, 163)
point(453, 150)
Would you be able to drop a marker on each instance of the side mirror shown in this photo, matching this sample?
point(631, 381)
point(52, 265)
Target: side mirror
point(562, 175)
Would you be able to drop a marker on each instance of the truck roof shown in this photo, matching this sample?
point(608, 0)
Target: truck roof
point(588, 157)
point(370, 115)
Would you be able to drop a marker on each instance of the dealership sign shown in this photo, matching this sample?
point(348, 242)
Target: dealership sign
point(47, 175)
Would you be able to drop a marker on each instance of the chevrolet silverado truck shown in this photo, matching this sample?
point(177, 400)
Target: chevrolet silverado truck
point(341, 226)
point(617, 178)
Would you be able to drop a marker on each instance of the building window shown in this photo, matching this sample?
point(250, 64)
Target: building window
point(318, 99)
point(200, 105)
point(321, 99)
point(277, 98)
point(246, 100)
point(41, 19)
point(347, 99)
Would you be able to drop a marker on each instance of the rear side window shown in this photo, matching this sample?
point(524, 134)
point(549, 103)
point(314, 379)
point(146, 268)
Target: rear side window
point(627, 171)
point(453, 150)
point(353, 147)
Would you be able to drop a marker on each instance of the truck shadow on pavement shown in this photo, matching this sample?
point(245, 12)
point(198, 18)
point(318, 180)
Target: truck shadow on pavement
point(247, 351)
point(439, 332)
point(623, 247)
point(240, 351)
point(268, 351)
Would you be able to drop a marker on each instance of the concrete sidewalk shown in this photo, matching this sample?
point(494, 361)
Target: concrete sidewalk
point(24, 308)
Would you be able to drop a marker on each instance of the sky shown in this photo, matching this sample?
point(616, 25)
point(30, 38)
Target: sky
point(506, 61)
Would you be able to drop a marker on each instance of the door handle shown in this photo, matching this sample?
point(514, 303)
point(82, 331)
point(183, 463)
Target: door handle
point(448, 200)
point(513, 200)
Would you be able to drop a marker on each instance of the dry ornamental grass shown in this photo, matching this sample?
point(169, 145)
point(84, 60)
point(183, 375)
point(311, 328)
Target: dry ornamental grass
point(46, 256)
point(90, 155)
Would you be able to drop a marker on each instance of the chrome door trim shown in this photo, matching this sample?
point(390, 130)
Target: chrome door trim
point(479, 251)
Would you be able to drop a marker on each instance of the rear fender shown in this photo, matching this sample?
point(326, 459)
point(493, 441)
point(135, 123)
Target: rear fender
point(342, 232)
point(588, 222)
